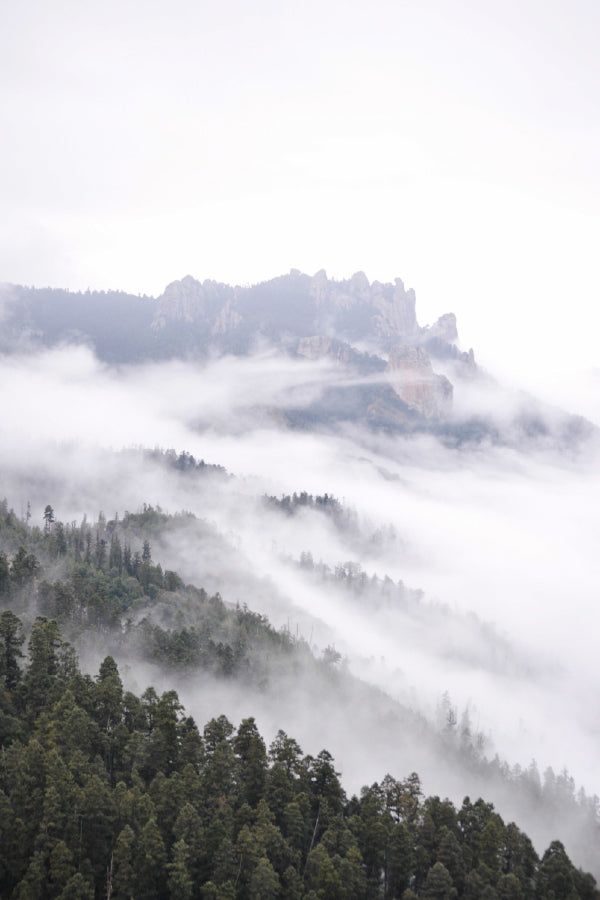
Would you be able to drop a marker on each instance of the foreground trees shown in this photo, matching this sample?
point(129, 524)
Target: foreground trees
point(105, 794)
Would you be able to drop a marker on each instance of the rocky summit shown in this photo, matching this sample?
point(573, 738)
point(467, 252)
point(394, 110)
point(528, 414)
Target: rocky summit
point(364, 328)
point(381, 369)
point(302, 305)
point(319, 318)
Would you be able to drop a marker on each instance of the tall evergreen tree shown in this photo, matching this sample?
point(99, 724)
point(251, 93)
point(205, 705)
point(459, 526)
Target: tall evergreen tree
point(11, 641)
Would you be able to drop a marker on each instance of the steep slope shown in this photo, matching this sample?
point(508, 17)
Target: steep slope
point(105, 793)
point(99, 580)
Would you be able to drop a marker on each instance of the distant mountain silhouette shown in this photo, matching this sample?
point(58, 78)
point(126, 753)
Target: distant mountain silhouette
point(382, 371)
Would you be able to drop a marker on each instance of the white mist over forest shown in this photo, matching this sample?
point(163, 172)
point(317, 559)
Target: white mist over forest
point(501, 542)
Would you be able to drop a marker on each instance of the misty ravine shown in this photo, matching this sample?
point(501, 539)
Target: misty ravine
point(361, 542)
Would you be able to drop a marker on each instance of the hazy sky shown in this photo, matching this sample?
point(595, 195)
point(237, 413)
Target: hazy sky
point(453, 143)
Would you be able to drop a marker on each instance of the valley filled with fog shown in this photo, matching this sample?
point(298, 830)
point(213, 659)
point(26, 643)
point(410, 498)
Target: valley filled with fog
point(460, 581)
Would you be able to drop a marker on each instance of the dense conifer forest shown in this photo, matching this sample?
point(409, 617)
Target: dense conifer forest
point(109, 794)
point(106, 794)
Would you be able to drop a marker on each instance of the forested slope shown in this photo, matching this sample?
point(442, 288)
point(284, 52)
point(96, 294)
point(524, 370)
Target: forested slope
point(105, 794)
point(110, 752)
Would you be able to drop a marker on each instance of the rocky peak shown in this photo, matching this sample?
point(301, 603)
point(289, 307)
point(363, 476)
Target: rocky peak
point(190, 300)
point(359, 286)
point(412, 377)
point(181, 300)
point(444, 329)
point(319, 286)
point(354, 307)
point(397, 315)
point(299, 306)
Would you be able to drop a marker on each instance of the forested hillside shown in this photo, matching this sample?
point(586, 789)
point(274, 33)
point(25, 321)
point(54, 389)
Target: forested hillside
point(105, 794)
point(108, 794)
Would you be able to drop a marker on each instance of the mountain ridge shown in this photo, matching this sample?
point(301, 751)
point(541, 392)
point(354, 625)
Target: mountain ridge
point(386, 372)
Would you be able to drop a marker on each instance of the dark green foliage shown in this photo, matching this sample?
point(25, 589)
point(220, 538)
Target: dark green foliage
point(23, 567)
point(438, 884)
point(11, 640)
point(292, 503)
point(108, 795)
point(251, 753)
point(94, 578)
point(105, 792)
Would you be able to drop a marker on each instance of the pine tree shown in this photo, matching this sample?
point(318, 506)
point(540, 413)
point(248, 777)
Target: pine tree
point(180, 881)
point(48, 519)
point(264, 884)
point(11, 641)
point(121, 873)
point(115, 554)
point(150, 863)
point(77, 888)
point(251, 753)
point(438, 884)
point(39, 686)
point(4, 574)
point(23, 567)
point(61, 866)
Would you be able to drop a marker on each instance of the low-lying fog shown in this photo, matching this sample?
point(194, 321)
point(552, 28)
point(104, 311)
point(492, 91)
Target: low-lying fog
point(503, 542)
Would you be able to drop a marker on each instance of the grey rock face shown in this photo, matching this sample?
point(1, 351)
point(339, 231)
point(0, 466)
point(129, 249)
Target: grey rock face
point(411, 375)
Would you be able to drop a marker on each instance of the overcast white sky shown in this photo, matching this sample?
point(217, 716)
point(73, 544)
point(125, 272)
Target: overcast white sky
point(453, 143)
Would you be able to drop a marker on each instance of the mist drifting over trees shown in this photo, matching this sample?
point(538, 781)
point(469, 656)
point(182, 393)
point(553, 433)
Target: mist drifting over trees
point(318, 526)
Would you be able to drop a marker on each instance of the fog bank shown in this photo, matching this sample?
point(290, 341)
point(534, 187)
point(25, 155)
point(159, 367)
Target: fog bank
point(501, 542)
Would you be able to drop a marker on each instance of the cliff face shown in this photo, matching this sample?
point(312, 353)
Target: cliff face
point(194, 302)
point(382, 364)
point(412, 377)
point(295, 304)
point(356, 308)
point(354, 323)
point(316, 317)
point(443, 330)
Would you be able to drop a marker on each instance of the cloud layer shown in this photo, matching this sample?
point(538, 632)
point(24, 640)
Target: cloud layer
point(502, 542)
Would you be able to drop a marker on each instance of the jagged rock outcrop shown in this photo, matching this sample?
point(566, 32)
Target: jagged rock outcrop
point(444, 329)
point(396, 314)
point(355, 307)
point(192, 301)
point(356, 324)
point(227, 320)
point(295, 304)
point(412, 377)
point(317, 317)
